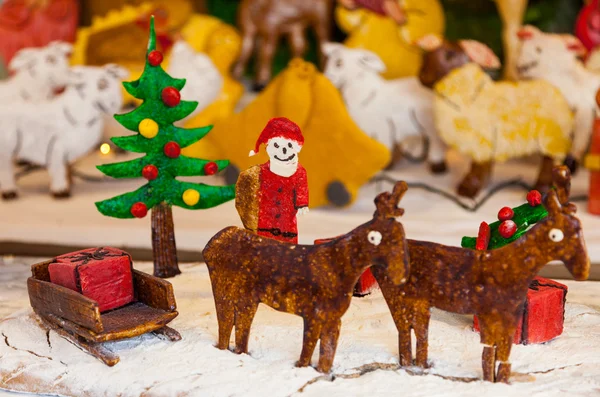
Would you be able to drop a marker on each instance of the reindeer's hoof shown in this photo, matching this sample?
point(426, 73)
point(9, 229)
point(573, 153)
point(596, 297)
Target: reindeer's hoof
point(572, 163)
point(438, 168)
point(337, 194)
point(9, 195)
point(469, 187)
point(63, 194)
point(237, 350)
point(258, 87)
point(301, 364)
point(503, 373)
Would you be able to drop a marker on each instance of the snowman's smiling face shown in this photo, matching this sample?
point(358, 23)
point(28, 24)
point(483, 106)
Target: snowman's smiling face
point(283, 151)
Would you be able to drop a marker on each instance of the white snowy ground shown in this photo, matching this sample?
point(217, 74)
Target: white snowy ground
point(31, 360)
point(37, 218)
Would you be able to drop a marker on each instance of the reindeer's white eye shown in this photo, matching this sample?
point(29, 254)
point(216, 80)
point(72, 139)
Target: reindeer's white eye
point(556, 235)
point(374, 237)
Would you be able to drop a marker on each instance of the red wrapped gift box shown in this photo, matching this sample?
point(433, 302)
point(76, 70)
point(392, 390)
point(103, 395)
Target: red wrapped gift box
point(366, 283)
point(102, 274)
point(543, 314)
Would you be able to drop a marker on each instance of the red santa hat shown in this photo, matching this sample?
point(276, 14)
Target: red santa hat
point(279, 127)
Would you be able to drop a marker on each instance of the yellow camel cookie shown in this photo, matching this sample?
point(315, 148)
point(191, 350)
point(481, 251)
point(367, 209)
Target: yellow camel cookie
point(393, 43)
point(339, 158)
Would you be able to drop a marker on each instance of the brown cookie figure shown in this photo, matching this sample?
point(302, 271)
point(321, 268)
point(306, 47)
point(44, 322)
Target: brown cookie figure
point(269, 196)
point(268, 20)
point(492, 284)
point(314, 282)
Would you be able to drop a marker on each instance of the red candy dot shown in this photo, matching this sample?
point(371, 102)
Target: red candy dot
point(171, 96)
point(139, 210)
point(505, 214)
point(507, 229)
point(211, 168)
point(172, 150)
point(534, 198)
point(155, 58)
point(150, 172)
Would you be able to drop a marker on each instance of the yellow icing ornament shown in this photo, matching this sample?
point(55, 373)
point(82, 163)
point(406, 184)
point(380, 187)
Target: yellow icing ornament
point(148, 128)
point(337, 155)
point(393, 43)
point(191, 197)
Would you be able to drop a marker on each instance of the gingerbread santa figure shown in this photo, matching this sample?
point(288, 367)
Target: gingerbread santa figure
point(270, 196)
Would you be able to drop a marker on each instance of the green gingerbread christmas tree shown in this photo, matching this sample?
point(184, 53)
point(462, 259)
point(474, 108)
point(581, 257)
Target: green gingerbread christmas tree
point(162, 142)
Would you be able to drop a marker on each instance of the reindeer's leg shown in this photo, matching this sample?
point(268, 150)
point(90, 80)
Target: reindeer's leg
point(421, 328)
point(312, 332)
point(329, 340)
point(243, 322)
point(297, 41)
point(58, 170)
point(503, 354)
point(405, 346)
point(544, 181)
point(265, 59)
point(475, 180)
point(225, 317)
point(488, 363)
point(488, 329)
point(249, 31)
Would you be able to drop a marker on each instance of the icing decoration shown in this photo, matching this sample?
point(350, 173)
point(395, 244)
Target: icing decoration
point(505, 213)
point(139, 210)
point(172, 150)
point(534, 198)
point(148, 128)
point(155, 58)
point(150, 172)
point(171, 96)
point(191, 197)
point(211, 168)
point(507, 229)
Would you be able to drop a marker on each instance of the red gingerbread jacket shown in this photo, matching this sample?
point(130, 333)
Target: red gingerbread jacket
point(268, 203)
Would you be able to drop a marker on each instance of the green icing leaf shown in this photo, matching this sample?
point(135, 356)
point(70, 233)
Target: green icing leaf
point(127, 169)
point(157, 111)
point(188, 166)
point(210, 196)
point(525, 216)
point(120, 206)
point(186, 137)
point(132, 143)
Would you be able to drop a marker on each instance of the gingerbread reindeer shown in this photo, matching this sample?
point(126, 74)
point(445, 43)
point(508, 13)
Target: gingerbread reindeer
point(314, 282)
point(491, 284)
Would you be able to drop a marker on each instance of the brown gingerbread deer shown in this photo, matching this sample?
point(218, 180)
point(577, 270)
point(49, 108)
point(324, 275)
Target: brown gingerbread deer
point(314, 282)
point(269, 20)
point(491, 284)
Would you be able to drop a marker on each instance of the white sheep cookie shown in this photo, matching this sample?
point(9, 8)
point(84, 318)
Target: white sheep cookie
point(56, 133)
point(37, 73)
point(203, 80)
point(392, 112)
point(555, 58)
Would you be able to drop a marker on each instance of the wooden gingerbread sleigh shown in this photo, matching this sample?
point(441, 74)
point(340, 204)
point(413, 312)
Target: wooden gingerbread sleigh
point(78, 319)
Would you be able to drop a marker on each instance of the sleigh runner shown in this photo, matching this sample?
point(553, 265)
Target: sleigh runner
point(78, 319)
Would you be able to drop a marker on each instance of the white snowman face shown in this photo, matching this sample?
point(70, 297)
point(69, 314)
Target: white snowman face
point(283, 151)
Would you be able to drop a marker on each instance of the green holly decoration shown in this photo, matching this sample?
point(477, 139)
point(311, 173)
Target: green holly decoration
point(524, 217)
point(162, 142)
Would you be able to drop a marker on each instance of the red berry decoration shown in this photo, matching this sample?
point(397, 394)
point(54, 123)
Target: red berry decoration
point(155, 58)
point(139, 210)
point(507, 229)
point(505, 214)
point(211, 168)
point(150, 172)
point(483, 238)
point(172, 150)
point(171, 96)
point(534, 198)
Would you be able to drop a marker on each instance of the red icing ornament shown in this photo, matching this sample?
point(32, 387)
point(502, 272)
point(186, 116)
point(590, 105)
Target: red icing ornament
point(150, 172)
point(155, 58)
point(172, 150)
point(483, 238)
point(139, 210)
point(505, 214)
point(211, 168)
point(507, 229)
point(534, 198)
point(171, 96)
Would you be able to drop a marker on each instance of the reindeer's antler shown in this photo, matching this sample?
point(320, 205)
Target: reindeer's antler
point(387, 203)
point(561, 178)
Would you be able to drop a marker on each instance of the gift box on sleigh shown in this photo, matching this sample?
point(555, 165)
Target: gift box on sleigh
point(102, 274)
point(543, 313)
